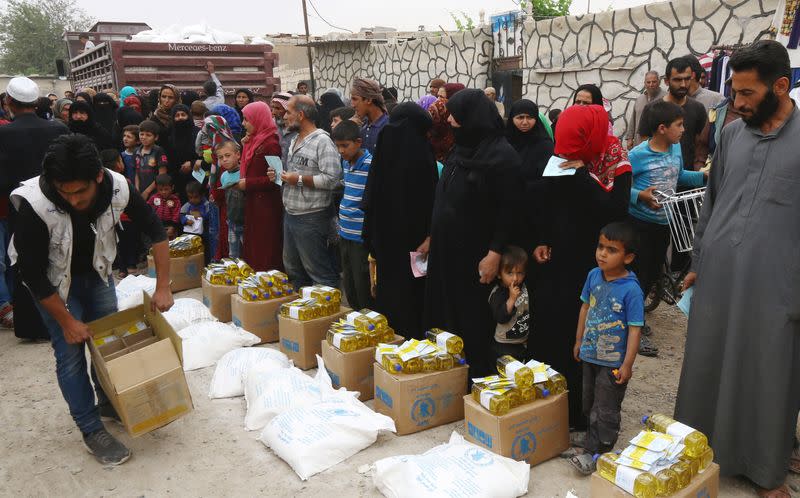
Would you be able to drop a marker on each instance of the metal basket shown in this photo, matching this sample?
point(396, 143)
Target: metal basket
point(683, 211)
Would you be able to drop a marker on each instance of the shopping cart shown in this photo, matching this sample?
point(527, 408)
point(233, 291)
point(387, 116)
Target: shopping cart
point(683, 211)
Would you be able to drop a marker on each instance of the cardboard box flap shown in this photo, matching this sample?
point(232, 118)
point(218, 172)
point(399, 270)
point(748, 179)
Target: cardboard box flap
point(103, 326)
point(162, 328)
point(142, 365)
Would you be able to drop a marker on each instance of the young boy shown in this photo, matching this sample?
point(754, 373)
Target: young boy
point(196, 214)
point(167, 206)
point(657, 165)
point(128, 238)
point(130, 140)
point(355, 163)
point(510, 306)
point(341, 114)
point(607, 340)
point(151, 160)
point(228, 156)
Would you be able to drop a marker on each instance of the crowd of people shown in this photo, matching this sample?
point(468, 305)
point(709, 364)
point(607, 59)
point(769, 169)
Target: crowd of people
point(348, 196)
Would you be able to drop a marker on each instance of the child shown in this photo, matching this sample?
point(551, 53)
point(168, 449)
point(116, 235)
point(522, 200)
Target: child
point(657, 165)
point(510, 306)
point(167, 206)
point(198, 211)
point(130, 140)
point(607, 340)
point(128, 238)
point(228, 155)
point(341, 114)
point(355, 163)
point(199, 112)
point(150, 158)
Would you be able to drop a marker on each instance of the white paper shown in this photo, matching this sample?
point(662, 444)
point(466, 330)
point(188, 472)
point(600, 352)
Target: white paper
point(275, 163)
point(199, 175)
point(553, 168)
point(196, 227)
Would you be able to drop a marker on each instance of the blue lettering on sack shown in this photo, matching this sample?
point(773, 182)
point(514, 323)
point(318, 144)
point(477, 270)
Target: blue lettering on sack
point(479, 457)
point(383, 396)
point(237, 321)
point(423, 410)
point(290, 345)
point(479, 436)
point(334, 378)
point(523, 446)
point(191, 270)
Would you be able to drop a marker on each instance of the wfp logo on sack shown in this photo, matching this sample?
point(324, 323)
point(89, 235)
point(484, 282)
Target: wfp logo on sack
point(290, 345)
point(523, 446)
point(422, 410)
point(191, 270)
point(479, 457)
point(478, 435)
point(383, 396)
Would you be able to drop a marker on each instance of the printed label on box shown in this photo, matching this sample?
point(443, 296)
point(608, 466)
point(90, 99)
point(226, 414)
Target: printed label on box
point(383, 396)
point(290, 345)
point(523, 446)
point(423, 410)
point(479, 435)
point(191, 270)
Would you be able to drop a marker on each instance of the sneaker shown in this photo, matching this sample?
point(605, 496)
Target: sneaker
point(105, 448)
point(647, 348)
point(108, 413)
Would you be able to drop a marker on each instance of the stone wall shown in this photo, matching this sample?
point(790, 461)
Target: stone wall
point(616, 49)
point(409, 66)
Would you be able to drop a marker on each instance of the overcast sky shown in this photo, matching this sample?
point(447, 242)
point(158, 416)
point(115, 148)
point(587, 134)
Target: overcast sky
point(286, 16)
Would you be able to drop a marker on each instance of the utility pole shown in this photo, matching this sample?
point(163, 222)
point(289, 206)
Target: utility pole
point(308, 49)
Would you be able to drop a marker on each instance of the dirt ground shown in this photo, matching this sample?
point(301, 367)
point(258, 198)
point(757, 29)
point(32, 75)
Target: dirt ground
point(208, 453)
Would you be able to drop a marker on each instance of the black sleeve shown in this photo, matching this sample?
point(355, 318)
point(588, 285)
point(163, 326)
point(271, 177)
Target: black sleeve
point(143, 217)
point(32, 242)
point(497, 303)
point(508, 191)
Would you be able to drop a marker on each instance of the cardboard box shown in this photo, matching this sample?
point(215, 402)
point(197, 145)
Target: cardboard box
point(534, 432)
point(302, 341)
point(184, 273)
point(141, 374)
point(352, 370)
point(420, 401)
point(258, 317)
point(217, 299)
point(704, 485)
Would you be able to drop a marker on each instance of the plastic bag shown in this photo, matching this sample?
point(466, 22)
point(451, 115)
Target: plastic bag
point(187, 311)
point(226, 37)
point(129, 291)
point(206, 342)
point(269, 392)
point(457, 468)
point(194, 29)
point(227, 380)
point(315, 437)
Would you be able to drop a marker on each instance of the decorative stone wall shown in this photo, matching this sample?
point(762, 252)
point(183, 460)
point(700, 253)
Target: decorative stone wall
point(409, 67)
point(615, 49)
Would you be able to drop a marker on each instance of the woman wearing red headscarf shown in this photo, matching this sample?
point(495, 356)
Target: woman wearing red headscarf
point(441, 135)
point(578, 206)
point(263, 209)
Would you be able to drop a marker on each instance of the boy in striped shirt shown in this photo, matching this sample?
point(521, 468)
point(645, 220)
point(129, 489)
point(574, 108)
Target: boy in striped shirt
point(355, 163)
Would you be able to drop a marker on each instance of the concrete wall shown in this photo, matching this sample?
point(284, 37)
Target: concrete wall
point(47, 84)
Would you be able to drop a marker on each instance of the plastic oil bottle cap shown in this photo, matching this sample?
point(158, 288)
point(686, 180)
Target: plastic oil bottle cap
point(327, 298)
point(546, 392)
point(595, 457)
point(371, 327)
point(398, 367)
point(462, 361)
point(645, 418)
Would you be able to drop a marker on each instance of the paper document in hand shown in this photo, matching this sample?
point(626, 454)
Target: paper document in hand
point(196, 227)
point(275, 163)
point(553, 168)
point(199, 175)
point(419, 264)
point(685, 304)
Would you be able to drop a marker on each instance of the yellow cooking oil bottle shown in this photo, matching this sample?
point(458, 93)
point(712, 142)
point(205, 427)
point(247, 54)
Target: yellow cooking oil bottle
point(444, 361)
point(513, 369)
point(639, 484)
point(378, 321)
point(394, 364)
point(347, 341)
point(695, 441)
point(360, 321)
point(301, 309)
point(667, 482)
point(556, 383)
point(494, 400)
point(445, 340)
point(684, 473)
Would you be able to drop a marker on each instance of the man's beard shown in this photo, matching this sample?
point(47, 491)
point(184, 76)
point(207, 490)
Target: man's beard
point(679, 93)
point(292, 126)
point(765, 110)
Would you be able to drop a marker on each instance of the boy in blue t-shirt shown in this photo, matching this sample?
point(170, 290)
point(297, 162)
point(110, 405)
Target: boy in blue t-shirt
point(355, 265)
point(607, 340)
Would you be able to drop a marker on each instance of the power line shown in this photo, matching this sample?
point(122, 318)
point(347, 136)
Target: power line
point(325, 21)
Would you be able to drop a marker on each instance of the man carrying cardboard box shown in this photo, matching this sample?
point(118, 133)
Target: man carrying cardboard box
point(65, 246)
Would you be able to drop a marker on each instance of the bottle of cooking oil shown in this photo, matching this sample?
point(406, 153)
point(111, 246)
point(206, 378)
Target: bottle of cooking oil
point(639, 484)
point(667, 482)
point(300, 309)
point(494, 400)
point(444, 361)
point(378, 320)
point(459, 359)
point(277, 277)
point(346, 342)
point(249, 292)
point(557, 383)
point(684, 472)
point(541, 390)
point(320, 293)
point(445, 340)
point(514, 397)
point(692, 462)
point(509, 367)
point(244, 269)
point(387, 335)
point(360, 321)
point(429, 363)
point(392, 363)
point(695, 441)
point(528, 394)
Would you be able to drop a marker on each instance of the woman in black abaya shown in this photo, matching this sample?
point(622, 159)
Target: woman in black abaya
point(475, 216)
point(180, 150)
point(398, 202)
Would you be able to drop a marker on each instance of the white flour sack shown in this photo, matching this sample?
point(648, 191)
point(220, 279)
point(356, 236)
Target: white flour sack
point(129, 291)
point(315, 437)
point(227, 381)
point(187, 311)
point(269, 392)
point(455, 469)
point(206, 342)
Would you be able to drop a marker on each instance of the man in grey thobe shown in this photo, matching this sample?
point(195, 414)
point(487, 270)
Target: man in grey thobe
point(740, 383)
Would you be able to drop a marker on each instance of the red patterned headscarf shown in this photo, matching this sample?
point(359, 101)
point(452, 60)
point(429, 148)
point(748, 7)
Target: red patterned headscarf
point(582, 133)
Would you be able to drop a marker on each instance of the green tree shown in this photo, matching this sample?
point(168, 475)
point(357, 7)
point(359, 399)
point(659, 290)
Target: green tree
point(30, 34)
point(547, 8)
point(465, 23)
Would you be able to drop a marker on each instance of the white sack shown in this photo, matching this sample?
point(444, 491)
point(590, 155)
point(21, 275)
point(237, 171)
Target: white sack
point(227, 381)
point(187, 311)
point(129, 291)
point(206, 342)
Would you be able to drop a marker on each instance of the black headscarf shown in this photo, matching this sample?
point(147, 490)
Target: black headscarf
point(105, 110)
point(90, 127)
point(182, 137)
point(477, 115)
point(534, 147)
point(597, 95)
point(250, 99)
point(85, 95)
point(328, 102)
point(189, 96)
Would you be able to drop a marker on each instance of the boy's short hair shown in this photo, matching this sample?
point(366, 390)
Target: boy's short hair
point(660, 112)
point(163, 180)
point(210, 88)
point(149, 126)
point(343, 113)
point(199, 108)
point(346, 131)
point(83, 36)
point(624, 233)
point(513, 256)
point(194, 188)
point(109, 157)
point(134, 129)
point(226, 143)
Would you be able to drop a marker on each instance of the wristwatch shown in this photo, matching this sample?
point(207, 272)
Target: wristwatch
point(299, 180)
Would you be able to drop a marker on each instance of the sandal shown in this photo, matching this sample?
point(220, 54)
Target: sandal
point(647, 331)
point(646, 347)
point(573, 451)
point(779, 492)
point(585, 464)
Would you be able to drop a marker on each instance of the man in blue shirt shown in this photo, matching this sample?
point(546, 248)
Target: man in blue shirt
point(367, 100)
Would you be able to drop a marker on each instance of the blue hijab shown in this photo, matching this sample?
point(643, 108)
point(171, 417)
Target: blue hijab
point(231, 116)
point(126, 92)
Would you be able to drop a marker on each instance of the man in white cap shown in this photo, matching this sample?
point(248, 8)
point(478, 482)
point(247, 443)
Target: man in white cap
point(23, 143)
